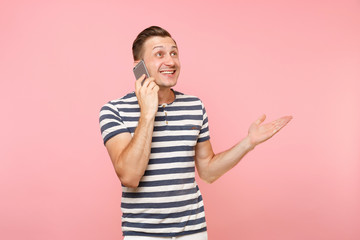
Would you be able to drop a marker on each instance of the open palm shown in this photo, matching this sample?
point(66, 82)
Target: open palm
point(259, 133)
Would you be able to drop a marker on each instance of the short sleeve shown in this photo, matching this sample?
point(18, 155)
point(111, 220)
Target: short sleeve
point(204, 134)
point(111, 123)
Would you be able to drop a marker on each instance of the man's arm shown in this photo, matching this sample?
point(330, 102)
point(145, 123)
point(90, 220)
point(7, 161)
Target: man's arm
point(130, 155)
point(211, 166)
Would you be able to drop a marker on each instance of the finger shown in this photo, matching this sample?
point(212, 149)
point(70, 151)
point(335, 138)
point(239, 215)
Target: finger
point(141, 78)
point(156, 88)
point(288, 118)
point(281, 122)
point(139, 81)
point(147, 82)
point(260, 119)
point(152, 85)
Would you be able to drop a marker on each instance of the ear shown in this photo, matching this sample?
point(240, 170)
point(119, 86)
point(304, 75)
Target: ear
point(136, 62)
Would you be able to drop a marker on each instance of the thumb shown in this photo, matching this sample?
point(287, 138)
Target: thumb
point(139, 82)
point(260, 119)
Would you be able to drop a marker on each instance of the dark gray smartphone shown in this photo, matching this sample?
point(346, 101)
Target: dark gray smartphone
point(140, 69)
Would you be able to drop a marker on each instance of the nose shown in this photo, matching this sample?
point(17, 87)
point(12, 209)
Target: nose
point(169, 61)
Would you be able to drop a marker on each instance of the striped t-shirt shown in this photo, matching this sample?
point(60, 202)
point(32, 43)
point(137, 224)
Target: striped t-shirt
point(168, 201)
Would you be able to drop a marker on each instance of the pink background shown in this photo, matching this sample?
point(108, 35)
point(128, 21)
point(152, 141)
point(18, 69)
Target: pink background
point(60, 61)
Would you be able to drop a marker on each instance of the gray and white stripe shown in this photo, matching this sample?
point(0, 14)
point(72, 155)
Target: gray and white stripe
point(168, 201)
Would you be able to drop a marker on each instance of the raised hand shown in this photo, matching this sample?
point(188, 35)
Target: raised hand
point(259, 133)
point(147, 95)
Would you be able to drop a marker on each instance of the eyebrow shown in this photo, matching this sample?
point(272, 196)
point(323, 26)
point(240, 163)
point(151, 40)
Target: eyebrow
point(173, 47)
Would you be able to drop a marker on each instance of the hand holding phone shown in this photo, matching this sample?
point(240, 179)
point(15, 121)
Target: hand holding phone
point(147, 95)
point(141, 69)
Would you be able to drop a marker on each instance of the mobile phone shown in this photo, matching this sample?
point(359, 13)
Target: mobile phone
point(140, 69)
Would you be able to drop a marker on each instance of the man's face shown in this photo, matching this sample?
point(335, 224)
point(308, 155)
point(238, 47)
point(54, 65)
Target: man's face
point(162, 60)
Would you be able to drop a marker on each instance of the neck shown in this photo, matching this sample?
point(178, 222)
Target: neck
point(166, 96)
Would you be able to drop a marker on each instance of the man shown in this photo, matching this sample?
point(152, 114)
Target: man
point(156, 136)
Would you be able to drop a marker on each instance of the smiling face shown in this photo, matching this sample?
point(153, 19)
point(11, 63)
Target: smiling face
point(162, 61)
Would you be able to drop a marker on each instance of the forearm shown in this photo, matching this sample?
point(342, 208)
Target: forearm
point(211, 167)
point(219, 164)
point(133, 161)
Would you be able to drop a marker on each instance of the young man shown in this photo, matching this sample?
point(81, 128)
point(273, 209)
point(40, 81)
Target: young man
point(156, 136)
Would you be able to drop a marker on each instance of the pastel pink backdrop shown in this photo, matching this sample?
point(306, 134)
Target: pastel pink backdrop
point(62, 60)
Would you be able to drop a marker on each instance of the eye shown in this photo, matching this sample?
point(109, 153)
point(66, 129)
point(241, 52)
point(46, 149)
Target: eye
point(158, 54)
point(174, 54)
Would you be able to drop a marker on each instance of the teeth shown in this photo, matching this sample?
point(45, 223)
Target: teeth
point(168, 72)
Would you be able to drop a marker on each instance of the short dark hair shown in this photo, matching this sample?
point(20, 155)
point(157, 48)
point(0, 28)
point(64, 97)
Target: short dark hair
point(153, 31)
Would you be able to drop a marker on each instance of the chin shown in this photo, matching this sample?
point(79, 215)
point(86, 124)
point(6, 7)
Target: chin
point(166, 83)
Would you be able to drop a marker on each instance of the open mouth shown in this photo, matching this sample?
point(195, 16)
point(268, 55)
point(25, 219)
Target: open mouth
point(169, 72)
